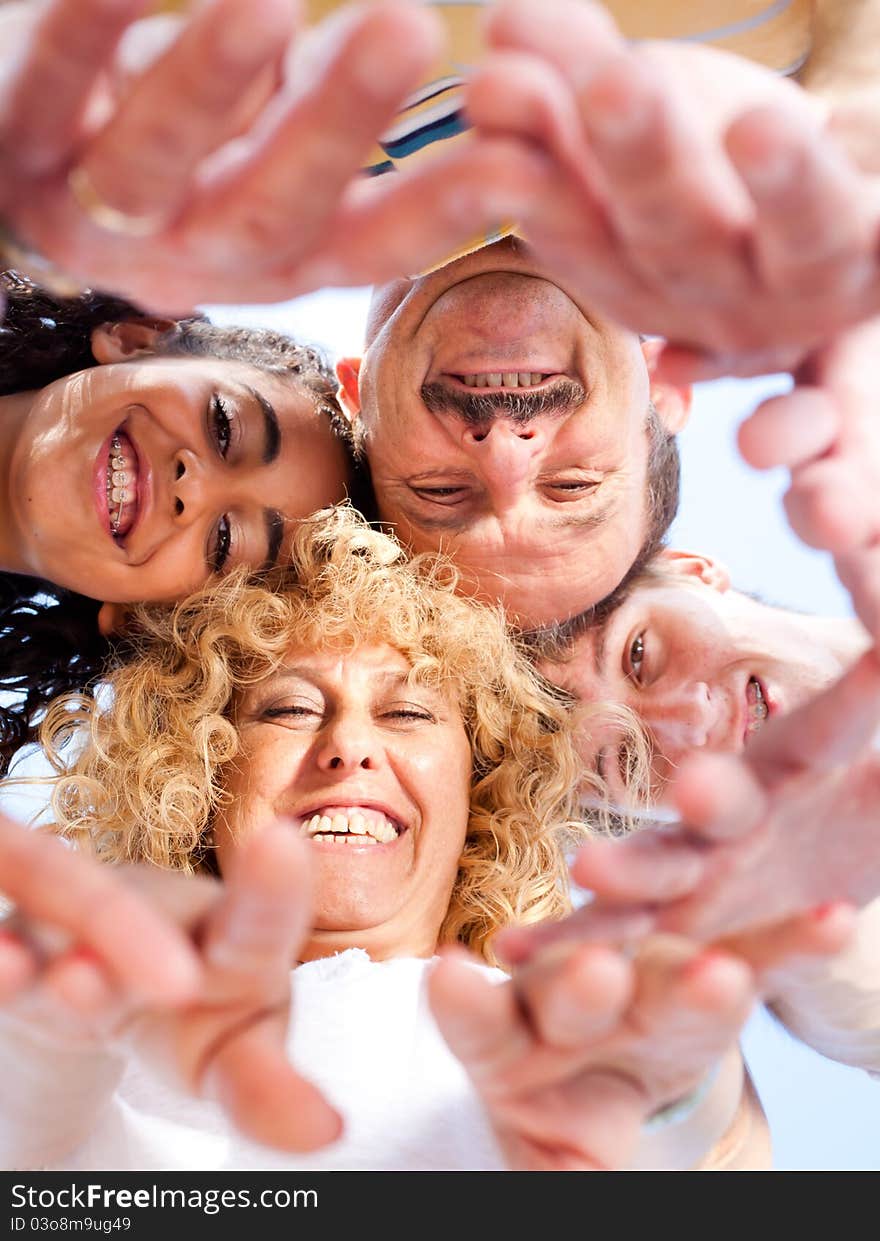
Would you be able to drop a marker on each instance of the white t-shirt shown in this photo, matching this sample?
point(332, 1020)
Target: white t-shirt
point(363, 1032)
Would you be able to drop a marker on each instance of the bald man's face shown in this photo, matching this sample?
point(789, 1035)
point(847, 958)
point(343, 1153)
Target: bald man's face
point(508, 426)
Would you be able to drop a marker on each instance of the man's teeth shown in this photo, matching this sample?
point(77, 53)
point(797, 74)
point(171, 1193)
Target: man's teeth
point(372, 829)
point(758, 709)
point(504, 379)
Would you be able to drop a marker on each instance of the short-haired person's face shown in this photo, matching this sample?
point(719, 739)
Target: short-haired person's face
point(507, 424)
point(376, 770)
point(213, 458)
point(702, 667)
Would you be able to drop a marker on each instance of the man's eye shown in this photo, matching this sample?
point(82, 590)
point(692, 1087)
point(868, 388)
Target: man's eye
point(637, 657)
point(221, 424)
point(571, 487)
point(441, 495)
point(222, 544)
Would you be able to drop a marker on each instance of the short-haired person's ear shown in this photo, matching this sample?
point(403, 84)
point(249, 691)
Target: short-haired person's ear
point(707, 569)
point(111, 618)
point(348, 393)
point(122, 341)
point(672, 403)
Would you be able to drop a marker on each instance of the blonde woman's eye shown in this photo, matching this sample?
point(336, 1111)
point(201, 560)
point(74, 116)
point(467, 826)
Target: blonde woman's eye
point(637, 657)
point(409, 713)
point(292, 711)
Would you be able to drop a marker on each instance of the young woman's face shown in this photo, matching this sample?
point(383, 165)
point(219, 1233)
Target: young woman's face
point(134, 481)
point(376, 771)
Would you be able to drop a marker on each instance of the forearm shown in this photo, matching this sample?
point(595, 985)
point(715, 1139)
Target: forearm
point(52, 1092)
point(727, 1131)
point(834, 1005)
point(845, 59)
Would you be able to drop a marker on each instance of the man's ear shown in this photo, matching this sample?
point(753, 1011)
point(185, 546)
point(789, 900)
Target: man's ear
point(673, 404)
point(707, 569)
point(111, 619)
point(348, 393)
point(120, 342)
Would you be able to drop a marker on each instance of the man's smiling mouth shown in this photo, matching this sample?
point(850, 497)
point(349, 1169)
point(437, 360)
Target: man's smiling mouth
point(505, 379)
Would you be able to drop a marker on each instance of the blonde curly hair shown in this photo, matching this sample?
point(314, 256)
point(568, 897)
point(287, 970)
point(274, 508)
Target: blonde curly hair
point(149, 777)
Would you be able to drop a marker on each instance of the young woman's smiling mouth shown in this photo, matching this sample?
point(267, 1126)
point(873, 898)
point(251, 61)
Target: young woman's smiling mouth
point(120, 485)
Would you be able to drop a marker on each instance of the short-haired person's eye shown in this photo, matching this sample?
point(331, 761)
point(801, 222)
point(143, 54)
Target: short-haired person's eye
point(441, 495)
point(220, 417)
point(221, 544)
point(636, 658)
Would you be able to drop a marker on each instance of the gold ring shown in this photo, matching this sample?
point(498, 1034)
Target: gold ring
point(111, 219)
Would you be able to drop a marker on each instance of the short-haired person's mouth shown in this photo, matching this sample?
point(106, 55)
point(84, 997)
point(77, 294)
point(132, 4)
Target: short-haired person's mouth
point(757, 707)
point(350, 826)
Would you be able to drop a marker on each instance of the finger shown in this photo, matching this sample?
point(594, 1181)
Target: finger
point(73, 43)
point(829, 506)
point(859, 572)
point(682, 364)
point(819, 933)
point(572, 994)
point(258, 928)
point(275, 201)
point(398, 224)
point(700, 994)
point(51, 883)
point(480, 1022)
point(812, 232)
point(790, 430)
point(648, 867)
point(265, 1098)
point(828, 730)
point(18, 966)
point(591, 924)
point(575, 38)
point(78, 982)
point(664, 186)
point(718, 796)
point(185, 105)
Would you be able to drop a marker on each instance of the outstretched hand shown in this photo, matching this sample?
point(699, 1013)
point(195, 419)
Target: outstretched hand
point(690, 184)
point(575, 1053)
point(193, 974)
point(203, 212)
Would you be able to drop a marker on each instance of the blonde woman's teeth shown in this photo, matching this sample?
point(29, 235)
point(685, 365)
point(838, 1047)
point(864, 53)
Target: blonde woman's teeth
point(354, 827)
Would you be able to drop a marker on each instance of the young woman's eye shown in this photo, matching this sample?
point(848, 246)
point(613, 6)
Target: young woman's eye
point(222, 544)
point(637, 657)
point(221, 423)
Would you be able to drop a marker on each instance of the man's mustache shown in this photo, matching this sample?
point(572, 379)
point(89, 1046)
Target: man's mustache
point(479, 407)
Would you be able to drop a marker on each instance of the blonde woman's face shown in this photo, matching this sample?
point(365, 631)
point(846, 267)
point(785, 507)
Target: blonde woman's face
point(376, 771)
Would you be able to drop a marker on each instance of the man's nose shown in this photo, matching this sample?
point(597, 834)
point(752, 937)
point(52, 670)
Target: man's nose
point(348, 744)
point(506, 450)
point(683, 720)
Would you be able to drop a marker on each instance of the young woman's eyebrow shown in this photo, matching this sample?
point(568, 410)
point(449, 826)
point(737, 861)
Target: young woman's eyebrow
point(271, 429)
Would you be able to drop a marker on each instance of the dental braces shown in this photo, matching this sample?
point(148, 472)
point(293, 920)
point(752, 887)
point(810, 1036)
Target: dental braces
point(117, 461)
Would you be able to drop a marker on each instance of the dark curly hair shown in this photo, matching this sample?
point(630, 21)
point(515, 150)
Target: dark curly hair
point(49, 639)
